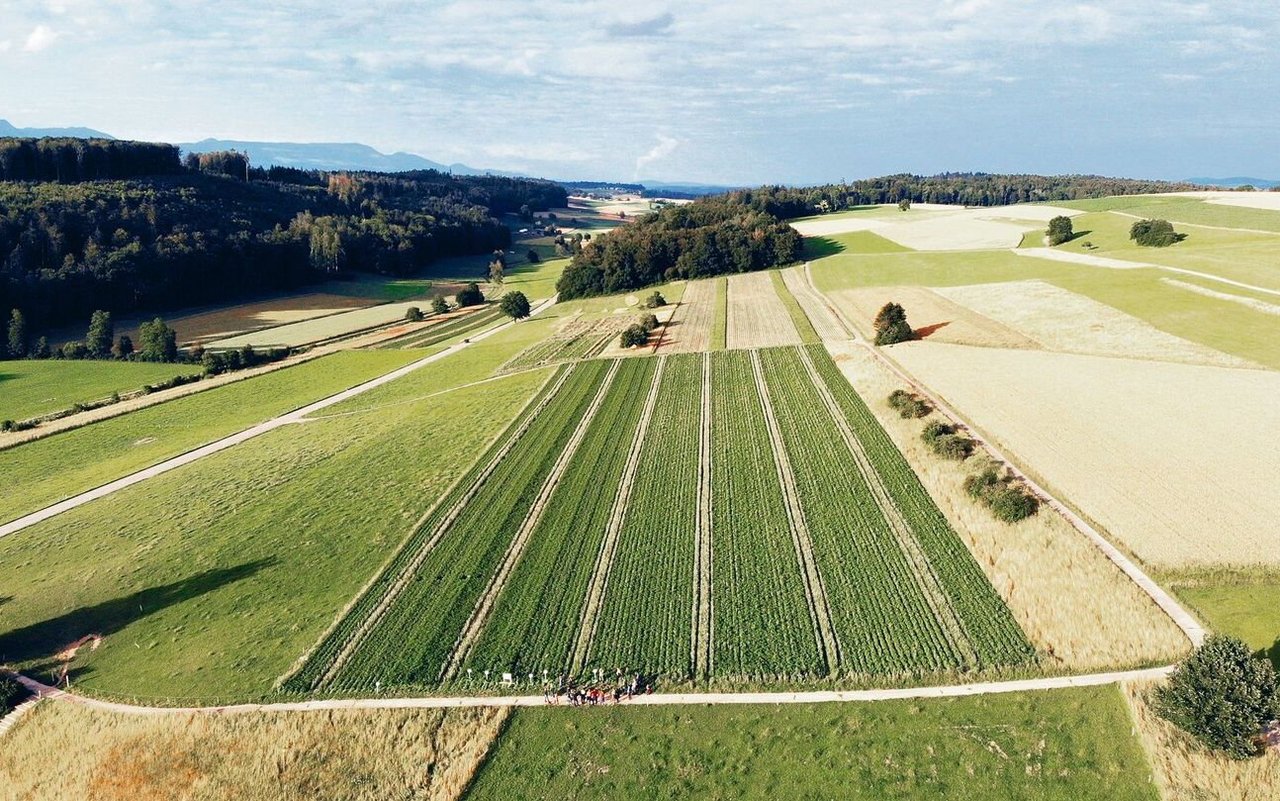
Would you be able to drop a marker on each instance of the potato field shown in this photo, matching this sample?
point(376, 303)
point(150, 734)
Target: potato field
point(731, 517)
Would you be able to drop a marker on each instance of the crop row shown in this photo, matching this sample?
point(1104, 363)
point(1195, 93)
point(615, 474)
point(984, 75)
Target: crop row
point(880, 614)
point(645, 622)
point(412, 641)
point(990, 626)
point(436, 334)
point(762, 625)
point(536, 619)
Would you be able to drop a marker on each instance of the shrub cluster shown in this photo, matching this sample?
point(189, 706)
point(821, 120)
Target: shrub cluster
point(1008, 500)
point(909, 405)
point(223, 361)
point(637, 334)
point(1154, 233)
point(944, 440)
point(470, 295)
point(654, 300)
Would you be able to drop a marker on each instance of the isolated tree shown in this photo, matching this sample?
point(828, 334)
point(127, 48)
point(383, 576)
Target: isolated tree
point(1059, 230)
point(413, 315)
point(1154, 233)
point(515, 305)
point(1222, 695)
point(157, 342)
point(17, 342)
point(904, 204)
point(532, 256)
point(891, 325)
point(439, 305)
point(496, 270)
point(655, 300)
point(634, 336)
point(123, 348)
point(470, 295)
point(101, 331)
point(526, 213)
point(648, 322)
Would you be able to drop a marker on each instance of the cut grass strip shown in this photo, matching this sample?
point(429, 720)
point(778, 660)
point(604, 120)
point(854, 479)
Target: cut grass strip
point(720, 323)
point(808, 335)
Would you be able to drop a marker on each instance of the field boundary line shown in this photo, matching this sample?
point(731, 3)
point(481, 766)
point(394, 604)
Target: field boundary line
point(922, 568)
point(703, 554)
point(836, 314)
point(484, 606)
point(1048, 254)
point(590, 619)
point(525, 418)
point(244, 435)
point(657, 699)
point(815, 589)
point(1200, 225)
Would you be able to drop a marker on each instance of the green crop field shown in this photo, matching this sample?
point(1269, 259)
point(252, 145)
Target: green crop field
point(801, 320)
point(36, 387)
point(1064, 745)
point(1178, 208)
point(720, 322)
point(48, 470)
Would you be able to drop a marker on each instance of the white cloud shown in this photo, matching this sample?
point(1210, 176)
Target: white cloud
point(40, 38)
point(665, 147)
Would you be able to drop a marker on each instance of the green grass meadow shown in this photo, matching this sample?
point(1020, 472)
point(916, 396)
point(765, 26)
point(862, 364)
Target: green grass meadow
point(1050, 746)
point(29, 388)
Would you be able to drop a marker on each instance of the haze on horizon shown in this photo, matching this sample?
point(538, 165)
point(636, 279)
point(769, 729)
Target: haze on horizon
point(720, 92)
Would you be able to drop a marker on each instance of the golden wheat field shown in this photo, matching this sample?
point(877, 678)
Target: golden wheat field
point(1076, 607)
point(66, 751)
point(1173, 460)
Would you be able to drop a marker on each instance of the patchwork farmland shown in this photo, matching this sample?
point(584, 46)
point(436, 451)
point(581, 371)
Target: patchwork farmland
point(730, 517)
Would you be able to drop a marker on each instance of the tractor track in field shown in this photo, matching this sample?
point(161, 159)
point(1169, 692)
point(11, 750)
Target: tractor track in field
point(815, 589)
point(484, 606)
point(590, 619)
point(544, 397)
point(700, 647)
point(922, 568)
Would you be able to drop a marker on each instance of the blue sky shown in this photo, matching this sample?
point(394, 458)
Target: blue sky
point(729, 92)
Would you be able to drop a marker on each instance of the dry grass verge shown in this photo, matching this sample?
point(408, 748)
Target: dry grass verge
point(1075, 606)
point(1185, 771)
point(347, 755)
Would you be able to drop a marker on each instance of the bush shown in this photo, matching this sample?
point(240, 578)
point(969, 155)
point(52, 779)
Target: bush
point(908, 405)
point(1059, 230)
point(515, 305)
point(470, 295)
point(943, 440)
point(654, 300)
point(11, 694)
point(648, 322)
point(439, 305)
point(891, 325)
point(1222, 696)
point(1008, 500)
point(1154, 233)
point(635, 336)
point(413, 315)
point(532, 256)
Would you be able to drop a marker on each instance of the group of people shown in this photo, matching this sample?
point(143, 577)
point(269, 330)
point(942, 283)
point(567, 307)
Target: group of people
point(599, 691)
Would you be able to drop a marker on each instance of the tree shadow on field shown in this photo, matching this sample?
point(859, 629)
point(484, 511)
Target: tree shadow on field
point(47, 638)
point(926, 330)
point(817, 247)
point(1272, 653)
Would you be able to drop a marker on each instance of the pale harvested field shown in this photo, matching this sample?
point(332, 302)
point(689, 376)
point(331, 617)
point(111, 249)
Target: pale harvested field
point(933, 316)
point(1076, 607)
point(203, 327)
point(756, 316)
point(815, 306)
point(1061, 320)
point(1185, 770)
point(690, 328)
point(1252, 303)
point(934, 227)
point(1080, 258)
point(64, 751)
point(316, 330)
point(1177, 462)
point(1252, 200)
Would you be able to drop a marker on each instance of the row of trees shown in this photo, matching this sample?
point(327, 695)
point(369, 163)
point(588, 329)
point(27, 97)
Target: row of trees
point(157, 342)
point(712, 236)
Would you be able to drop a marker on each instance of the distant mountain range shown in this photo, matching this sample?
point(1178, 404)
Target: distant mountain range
point(1232, 183)
point(331, 156)
point(7, 129)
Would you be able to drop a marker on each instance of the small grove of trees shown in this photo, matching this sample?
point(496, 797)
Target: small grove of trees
point(469, 295)
point(637, 334)
point(1059, 230)
point(654, 300)
point(1223, 696)
point(157, 342)
point(891, 325)
point(1154, 233)
point(515, 305)
point(1007, 499)
point(908, 405)
point(439, 305)
point(946, 441)
point(215, 362)
point(414, 315)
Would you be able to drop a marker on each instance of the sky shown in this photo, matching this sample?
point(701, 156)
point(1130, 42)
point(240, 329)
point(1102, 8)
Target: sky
point(741, 92)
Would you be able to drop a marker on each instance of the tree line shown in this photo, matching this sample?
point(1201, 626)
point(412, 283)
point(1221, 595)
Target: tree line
point(711, 236)
point(207, 235)
point(68, 160)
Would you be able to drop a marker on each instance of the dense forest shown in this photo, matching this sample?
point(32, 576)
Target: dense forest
point(712, 236)
point(191, 234)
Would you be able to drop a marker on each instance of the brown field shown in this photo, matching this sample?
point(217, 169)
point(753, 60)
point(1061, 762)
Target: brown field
point(1076, 607)
point(65, 751)
point(690, 327)
point(1061, 320)
point(1171, 459)
point(1185, 770)
point(757, 317)
point(206, 326)
point(932, 316)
